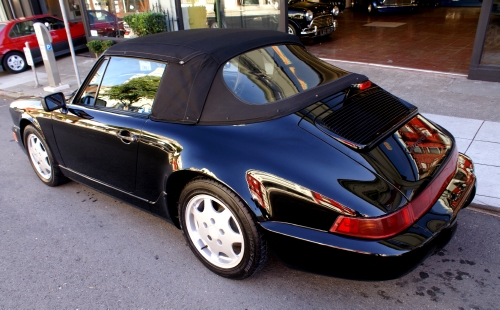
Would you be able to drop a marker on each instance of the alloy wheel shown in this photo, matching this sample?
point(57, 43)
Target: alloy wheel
point(39, 157)
point(214, 231)
point(15, 62)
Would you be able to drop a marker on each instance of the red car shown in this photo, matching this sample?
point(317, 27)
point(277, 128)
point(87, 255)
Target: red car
point(14, 34)
point(107, 24)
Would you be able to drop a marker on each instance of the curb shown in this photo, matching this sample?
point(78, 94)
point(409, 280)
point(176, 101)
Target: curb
point(490, 210)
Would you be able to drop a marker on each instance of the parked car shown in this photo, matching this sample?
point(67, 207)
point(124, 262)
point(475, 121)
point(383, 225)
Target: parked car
point(382, 6)
point(107, 24)
point(310, 19)
point(248, 143)
point(14, 34)
point(338, 3)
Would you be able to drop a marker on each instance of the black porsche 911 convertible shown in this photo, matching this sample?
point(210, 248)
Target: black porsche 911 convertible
point(249, 144)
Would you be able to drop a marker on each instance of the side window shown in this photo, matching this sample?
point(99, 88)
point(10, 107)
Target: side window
point(51, 23)
point(22, 29)
point(130, 84)
point(88, 96)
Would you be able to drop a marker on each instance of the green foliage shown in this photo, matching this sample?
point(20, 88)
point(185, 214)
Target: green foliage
point(107, 44)
point(147, 23)
point(134, 89)
point(98, 46)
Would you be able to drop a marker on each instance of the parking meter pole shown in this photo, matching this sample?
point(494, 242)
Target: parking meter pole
point(70, 41)
point(29, 61)
point(49, 60)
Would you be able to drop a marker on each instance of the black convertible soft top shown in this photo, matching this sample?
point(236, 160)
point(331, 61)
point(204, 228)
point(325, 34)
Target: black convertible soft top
point(192, 89)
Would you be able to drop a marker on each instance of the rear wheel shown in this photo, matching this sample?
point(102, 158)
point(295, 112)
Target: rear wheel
point(220, 230)
point(14, 62)
point(41, 158)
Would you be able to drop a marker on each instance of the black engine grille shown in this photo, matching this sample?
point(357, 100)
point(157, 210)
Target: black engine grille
point(363, 118)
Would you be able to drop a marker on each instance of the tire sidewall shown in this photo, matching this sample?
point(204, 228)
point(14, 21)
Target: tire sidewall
point(205, 186)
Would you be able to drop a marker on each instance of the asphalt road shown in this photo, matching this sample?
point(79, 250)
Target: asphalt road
point(72, 247)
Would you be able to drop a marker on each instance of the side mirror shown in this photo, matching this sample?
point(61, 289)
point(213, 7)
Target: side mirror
point(54, 102)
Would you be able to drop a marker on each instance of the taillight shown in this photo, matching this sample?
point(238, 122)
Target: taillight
point(363, 86)
point(256, 190)
point(394, 223)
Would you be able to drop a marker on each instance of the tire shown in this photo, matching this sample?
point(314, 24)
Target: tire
point(41, 158)
point(292, 30)
point(214, 25)
point(14, 62)
point(220, 229)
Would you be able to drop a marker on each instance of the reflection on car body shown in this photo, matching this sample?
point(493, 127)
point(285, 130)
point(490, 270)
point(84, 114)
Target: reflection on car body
point(248, 141)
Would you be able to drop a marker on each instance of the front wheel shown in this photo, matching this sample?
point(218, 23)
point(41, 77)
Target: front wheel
point(220, 230)
point(41, 158)
point(14, 62)
point(292, 30)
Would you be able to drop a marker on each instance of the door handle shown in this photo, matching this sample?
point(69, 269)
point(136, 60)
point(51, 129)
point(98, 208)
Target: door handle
point(127, 136)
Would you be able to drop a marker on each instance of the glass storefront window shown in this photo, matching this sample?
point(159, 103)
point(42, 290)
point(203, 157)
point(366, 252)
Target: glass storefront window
point(491, 49)
point(255, 14)
point(106, 16)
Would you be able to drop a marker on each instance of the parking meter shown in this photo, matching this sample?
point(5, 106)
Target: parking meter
point(29, 60)
point(45, 42)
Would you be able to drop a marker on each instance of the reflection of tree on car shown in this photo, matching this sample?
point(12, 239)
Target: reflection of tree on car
point(134, 90)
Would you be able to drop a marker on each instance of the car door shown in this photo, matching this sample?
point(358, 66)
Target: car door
point(20, 33)
point(57, 31)
point(98, 135)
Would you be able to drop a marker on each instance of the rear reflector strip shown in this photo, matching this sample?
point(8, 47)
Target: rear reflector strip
point(394, 223)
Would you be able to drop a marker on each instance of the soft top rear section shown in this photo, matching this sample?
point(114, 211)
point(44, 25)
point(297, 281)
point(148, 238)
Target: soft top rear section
point(193, 89)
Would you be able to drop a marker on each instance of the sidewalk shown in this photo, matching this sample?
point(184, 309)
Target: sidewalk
point(470, 110)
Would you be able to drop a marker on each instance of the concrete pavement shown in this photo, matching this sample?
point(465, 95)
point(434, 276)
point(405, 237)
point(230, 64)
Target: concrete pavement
point(470, 110)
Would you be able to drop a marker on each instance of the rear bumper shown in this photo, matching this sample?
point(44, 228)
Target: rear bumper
point(323, 253)
point(342, 256)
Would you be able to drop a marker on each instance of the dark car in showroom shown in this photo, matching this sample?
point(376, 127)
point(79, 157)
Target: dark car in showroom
point(248, 143)
point(15, 33)
point(311, 19)
point(385, 6)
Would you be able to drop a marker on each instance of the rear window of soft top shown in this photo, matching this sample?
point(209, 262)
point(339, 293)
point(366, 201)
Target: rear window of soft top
point(277, 72)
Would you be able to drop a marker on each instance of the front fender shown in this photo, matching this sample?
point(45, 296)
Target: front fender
point(29, 111)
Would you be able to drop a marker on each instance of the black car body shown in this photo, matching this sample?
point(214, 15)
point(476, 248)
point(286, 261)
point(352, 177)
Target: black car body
point(310, 19)
point(385, 6)
point(252, 141)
